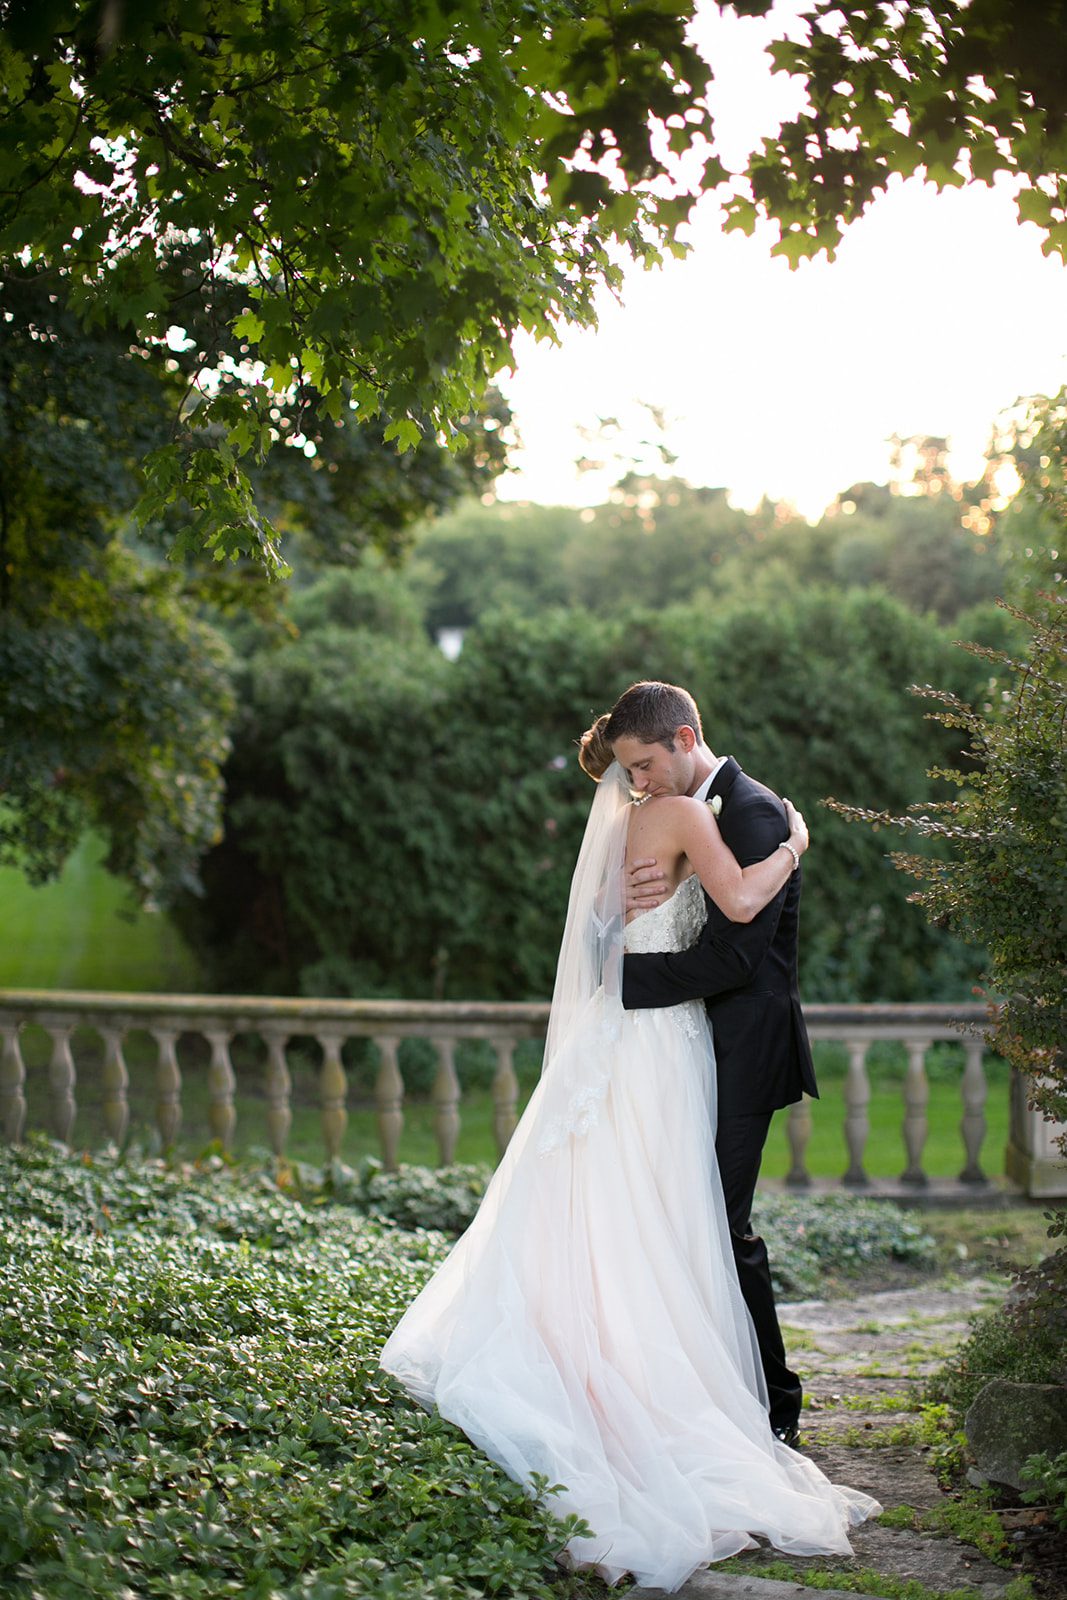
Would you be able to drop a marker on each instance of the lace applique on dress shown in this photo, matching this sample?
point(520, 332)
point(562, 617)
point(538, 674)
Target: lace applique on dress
point(580, 1081)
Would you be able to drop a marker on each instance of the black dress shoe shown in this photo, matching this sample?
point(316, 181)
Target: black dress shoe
point(787, 1433)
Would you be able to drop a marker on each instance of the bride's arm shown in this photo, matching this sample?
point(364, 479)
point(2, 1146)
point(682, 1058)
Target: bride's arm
point(739, 892)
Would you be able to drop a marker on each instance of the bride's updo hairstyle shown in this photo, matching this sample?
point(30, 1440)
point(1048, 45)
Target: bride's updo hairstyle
point(594, 751)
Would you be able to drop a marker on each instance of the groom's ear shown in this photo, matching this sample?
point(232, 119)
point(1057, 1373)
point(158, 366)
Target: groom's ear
point(686, 737)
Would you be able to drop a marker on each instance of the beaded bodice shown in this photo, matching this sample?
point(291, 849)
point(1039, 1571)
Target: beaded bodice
point(674, 925)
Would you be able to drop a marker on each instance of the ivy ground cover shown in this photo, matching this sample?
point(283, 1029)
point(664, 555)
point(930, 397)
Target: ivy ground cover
point(190, 1404)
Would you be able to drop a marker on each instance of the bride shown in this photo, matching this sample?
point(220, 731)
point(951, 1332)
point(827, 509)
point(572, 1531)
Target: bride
point(589, 1327)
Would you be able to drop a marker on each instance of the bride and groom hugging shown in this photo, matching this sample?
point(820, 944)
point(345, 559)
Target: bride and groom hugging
point(607, 1323)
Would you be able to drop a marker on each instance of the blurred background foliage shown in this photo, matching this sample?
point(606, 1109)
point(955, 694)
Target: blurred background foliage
point(398, 822)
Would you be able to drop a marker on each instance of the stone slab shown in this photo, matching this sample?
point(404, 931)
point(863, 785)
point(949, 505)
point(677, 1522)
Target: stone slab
point(735, 1586)
point(893, 1308)
point(926, 1561)
point(1007, 1422)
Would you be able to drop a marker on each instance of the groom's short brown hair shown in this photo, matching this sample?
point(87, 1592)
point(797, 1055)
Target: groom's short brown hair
point(652, 712)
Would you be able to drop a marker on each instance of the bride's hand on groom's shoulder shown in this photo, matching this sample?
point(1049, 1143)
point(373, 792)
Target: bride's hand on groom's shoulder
point(645, 885)
point(798, 828)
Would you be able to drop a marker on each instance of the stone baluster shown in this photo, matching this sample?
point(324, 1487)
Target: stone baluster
point(12, 1085)
point(446, 1101)
point(389, 1098)
point(916, 1097)
point(333, 1093)
point(221, 1085)
point(116, 1082)
point(61, 1080)
point(505, 1093)
point(857, 1122)
point(279, 1087)
point(973, 1124)
point(798, 1132)
point(168, 1085)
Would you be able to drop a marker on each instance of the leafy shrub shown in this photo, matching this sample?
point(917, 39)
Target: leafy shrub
point(806, 1235)
point(445, 1198)
point(102, 1193)
point(1024, 1340)
point(191, 1406)
point(1048, 1477)
point(190, 1400)
point(437, 1199)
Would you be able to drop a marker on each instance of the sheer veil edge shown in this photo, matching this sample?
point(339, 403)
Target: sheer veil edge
point(586, 1012)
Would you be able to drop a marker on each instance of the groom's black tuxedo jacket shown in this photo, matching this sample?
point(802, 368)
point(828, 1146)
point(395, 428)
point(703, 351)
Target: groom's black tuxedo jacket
point(746, 973)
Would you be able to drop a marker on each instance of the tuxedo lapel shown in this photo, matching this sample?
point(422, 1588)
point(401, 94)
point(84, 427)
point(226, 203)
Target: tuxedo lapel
point(724, 780)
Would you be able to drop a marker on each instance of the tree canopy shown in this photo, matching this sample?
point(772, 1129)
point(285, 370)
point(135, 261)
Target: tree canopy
point(346, 210)
point(665, 542)
point(115, 693)
point(368, 203)
point(960, 89)
point(259, 260)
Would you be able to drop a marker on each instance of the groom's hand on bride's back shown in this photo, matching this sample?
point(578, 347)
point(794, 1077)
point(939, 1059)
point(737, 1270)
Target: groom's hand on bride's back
point(645, 885)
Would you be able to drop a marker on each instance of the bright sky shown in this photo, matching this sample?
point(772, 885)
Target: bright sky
point(939, 312)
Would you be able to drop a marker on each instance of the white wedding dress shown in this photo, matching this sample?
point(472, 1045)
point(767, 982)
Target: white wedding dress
point(589, 1327)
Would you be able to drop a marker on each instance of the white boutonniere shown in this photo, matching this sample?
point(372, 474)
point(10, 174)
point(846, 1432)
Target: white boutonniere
point(716, 804)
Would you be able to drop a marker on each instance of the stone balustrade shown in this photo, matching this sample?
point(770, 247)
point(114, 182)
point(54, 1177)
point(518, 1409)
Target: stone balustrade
point(917, 1027)
point(219, 1019)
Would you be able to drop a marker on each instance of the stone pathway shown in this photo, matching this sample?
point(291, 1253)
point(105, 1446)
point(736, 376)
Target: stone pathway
point(864, 1363)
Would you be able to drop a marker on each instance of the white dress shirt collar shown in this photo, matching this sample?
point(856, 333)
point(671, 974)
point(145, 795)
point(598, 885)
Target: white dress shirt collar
point(702, 792)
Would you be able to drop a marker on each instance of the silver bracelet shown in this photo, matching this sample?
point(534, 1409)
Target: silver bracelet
point(793, 851)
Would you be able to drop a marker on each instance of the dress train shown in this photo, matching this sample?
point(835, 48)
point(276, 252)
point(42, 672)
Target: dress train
point(589, 1326)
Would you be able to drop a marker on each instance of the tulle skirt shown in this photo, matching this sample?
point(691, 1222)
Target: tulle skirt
point(589, 1327)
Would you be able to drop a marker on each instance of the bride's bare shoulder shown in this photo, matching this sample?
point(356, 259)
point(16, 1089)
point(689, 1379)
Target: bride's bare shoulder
point(665, 814)
point(685, 805)
point(673, 807)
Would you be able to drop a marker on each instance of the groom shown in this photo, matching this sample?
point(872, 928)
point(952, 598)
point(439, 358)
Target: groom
point(746, 973)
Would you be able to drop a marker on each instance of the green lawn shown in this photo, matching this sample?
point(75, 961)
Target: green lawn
point(79, 933)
